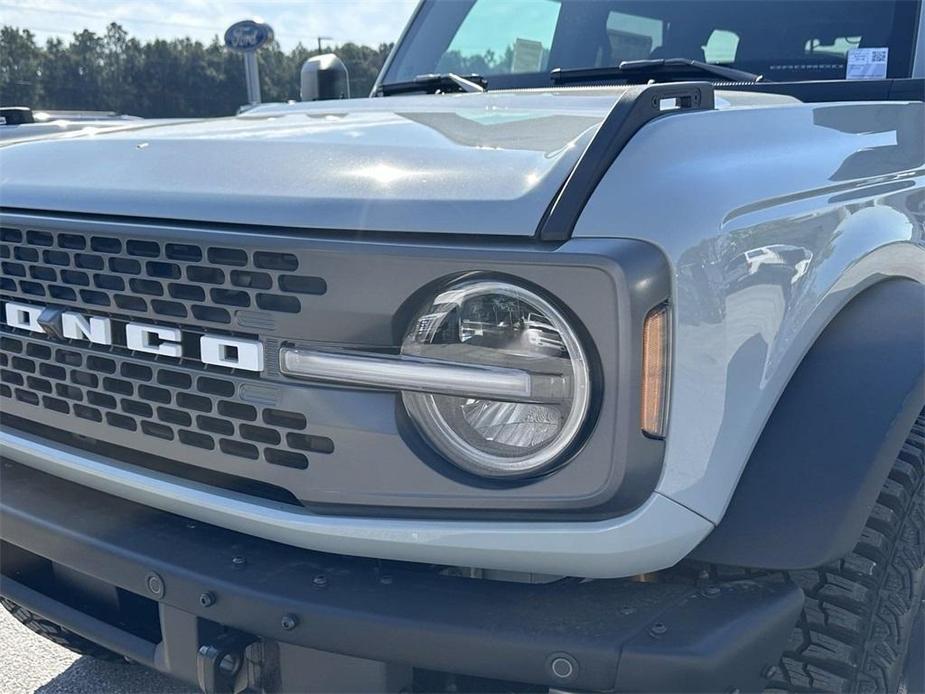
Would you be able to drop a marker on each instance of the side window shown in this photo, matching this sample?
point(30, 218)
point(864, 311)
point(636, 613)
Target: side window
point(503, 37)
point(721, 47)
point(633, 37)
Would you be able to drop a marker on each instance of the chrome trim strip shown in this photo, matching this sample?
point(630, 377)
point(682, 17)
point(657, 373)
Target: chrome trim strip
point(655, 536)
point(407, 373)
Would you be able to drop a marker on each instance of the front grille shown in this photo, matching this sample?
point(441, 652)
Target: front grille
point(172, 281)
point(243, 424)
point(197, 410)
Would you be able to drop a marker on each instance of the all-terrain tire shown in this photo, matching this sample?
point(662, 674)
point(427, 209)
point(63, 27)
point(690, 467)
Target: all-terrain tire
point(60, 635)
point(855, 630)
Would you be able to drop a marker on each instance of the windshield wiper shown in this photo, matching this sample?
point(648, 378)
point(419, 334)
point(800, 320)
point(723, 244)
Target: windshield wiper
point(656, 68)
point(431, 84)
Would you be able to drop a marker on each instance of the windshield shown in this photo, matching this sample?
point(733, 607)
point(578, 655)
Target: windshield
point(515, 43)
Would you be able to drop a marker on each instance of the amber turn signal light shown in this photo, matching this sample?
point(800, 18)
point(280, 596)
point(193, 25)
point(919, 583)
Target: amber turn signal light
point(655, 361)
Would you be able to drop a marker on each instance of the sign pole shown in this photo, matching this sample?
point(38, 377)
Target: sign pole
point(252, 77)
point(247, 37)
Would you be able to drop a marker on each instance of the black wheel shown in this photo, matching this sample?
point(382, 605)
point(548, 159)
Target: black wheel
point(60, 635)
point(855, 630)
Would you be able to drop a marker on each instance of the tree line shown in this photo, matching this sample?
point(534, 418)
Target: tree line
point(155, 79)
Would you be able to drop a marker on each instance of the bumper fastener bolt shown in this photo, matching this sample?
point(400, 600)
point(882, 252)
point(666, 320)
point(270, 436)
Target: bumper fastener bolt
point(562, 666)
point(711, 592)
point(289, 622)
point(155, 585)
point(320, 581)
point(658, 629)
point(238, 561)
point(207, 599)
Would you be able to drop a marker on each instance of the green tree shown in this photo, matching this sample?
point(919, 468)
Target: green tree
point(20, 68)
point(159, 78)
point(363, 64)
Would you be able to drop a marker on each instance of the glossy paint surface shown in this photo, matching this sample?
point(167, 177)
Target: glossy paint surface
point(472, 164)
point(486, 165)
point(773, 219)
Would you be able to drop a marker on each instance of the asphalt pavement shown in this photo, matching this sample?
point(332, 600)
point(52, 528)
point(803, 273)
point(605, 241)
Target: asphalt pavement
point(30, 663)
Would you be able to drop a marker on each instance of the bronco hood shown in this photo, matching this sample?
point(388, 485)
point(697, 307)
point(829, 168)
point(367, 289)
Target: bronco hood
point(469, 164)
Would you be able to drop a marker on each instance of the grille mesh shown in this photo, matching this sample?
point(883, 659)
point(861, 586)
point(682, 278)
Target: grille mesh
point(194, 409)
point(202, 283)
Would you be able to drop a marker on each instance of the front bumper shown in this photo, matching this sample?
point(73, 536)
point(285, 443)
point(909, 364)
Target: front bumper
point(653, 537)
point(613, 635)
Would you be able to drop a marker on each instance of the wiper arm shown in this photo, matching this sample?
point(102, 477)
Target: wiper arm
point(431, 84)
point(659, 67)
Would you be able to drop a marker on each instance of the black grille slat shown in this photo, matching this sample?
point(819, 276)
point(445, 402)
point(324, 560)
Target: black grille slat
point(201, 412)
point(109, 393)
point(286, 458)
point(138, 276)
point(43, 274)
point(88, 262)
point(27, 396)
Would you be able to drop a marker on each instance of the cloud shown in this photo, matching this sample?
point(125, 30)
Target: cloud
point(294, 21)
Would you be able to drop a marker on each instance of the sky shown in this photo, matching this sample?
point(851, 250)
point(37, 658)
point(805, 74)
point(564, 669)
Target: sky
point(368, 22)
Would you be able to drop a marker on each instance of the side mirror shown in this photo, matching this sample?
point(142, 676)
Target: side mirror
point(324, 77)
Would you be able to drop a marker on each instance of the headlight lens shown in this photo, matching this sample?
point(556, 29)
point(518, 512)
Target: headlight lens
point(501, 325)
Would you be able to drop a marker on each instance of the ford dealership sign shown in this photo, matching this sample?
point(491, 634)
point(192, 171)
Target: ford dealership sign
point(248, 35)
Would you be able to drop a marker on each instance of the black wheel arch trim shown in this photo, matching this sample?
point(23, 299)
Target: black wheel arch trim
point(824, 454)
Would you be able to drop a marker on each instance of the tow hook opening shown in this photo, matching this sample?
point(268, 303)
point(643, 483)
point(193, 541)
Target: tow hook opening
point(219, 662)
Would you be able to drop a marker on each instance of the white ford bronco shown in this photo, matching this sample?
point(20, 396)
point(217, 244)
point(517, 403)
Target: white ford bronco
point(586, 355)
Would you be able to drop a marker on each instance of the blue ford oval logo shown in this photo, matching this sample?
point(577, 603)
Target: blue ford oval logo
point(247, 35)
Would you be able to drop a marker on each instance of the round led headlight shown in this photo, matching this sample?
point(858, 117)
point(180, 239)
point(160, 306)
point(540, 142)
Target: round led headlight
point(523, 348)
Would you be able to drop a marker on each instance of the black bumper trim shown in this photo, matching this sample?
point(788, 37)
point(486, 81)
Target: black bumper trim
point(96, 630)
point(617, 634)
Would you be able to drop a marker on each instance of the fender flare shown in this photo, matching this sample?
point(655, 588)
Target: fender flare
point(828, 446)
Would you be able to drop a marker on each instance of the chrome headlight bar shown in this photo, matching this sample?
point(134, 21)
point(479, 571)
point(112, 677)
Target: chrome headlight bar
point(492, 374)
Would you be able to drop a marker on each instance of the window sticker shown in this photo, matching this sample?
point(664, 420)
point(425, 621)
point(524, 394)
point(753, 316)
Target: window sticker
point(528, 56)
point(867, 63)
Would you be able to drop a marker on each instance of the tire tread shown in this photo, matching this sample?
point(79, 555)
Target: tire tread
point(859, 610)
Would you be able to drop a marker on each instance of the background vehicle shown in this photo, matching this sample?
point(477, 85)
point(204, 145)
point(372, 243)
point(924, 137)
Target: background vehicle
point(486, 381)
point(21, 123)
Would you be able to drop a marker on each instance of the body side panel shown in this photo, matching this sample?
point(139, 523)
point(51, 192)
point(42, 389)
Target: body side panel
point(773, 220)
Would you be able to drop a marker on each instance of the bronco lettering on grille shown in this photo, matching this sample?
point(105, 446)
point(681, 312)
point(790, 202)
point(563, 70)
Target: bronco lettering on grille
point(155, 339)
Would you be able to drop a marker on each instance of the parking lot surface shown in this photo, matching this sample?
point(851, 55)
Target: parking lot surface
point(29, 663)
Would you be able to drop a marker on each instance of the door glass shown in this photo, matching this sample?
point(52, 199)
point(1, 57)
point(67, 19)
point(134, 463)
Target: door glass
point(632, 37)
point(721, 47)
